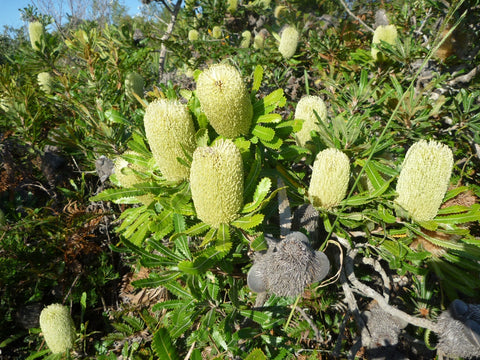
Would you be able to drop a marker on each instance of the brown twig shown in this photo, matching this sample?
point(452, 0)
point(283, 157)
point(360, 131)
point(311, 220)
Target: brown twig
point(355, 16)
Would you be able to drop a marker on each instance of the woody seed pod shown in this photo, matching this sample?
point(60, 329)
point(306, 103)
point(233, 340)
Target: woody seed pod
point(216, 181)
point(424, 179)
point(288, 42)
point(57, 328)
point(329, 182)
point(225, 100)
point(169, 127)
point(305, 111)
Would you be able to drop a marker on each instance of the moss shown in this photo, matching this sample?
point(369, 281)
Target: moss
point(57, 328)
point(225, 100)
point(424, 179)
point(330, 176)
point(216, 181)
point(169, 128)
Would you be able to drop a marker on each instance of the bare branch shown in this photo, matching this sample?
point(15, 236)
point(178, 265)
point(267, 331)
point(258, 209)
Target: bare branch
point(355, 16)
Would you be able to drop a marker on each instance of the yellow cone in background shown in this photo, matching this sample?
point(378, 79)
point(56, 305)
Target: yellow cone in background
point(57, 328)
point(36, 32)
point(288, 42)
point(305, 111)
point(387, 33)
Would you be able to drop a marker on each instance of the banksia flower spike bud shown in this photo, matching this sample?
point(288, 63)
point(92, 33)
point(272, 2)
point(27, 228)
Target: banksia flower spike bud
point(288, 42)
point(36, 32)
point(216, 181)
point(259, 40)
point(169, 127)
point(225, 100)
point(193, 35)
point(288, 267)
point(424, 179)
point(387, 33)
point(305, 111)
point(44, 79)
point(246, 39)
point(57, 328)
point(217, 32)
point(232, 6)
point(134, 85)
point(330, 176)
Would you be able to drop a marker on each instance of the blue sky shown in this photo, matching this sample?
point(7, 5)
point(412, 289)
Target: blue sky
point(9, 14)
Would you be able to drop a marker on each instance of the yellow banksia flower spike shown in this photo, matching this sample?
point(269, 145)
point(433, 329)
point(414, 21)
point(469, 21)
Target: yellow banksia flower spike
point(216, 181)
point(44, 80)
point(225, 100)
point(424, 179)
point(169, 127)
point(57, 328)
point(124, 171)
point(36, 32)
point(193, 35)
point(305, 111)
point(232, 6)
point(217, 32)
point(288, 42)
point(134, 84)
point(330, 176)
point(387, 33)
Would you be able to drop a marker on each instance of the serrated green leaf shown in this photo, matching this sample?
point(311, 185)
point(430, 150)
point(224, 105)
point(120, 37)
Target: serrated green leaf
point(473, 215)
point(155, 280)
point(201, 137)
point(162, 224)
point(386, 215)
point(253, 174)
point(219, 339)
point(119, 195)
point(273, 100)
point(256, 354)
point(261, 192)
point(181, 241)
point(454, 192)
point(197, 229)
point(223, 233)
point(259, 243)
point(209, 237)
point(257, 78)
point(163, 250)
point(162, 345)
point(116, 117)
point(375, 178)
point(169, 304)
point(269, 118)
point(274, 144)
point(263, 133)
point(248, 221)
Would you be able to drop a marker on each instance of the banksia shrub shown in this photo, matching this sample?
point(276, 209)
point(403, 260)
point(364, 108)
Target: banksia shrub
point(216, 181)
point(36, 32)
point(193, 35)
point(44, 79)
point(225, 100)
point(387, 33)
point(305, 111)
point(169, 128)
point(217, 32)
point(246, 39)
point(134, 85)
point(288, 42)
point(424, 179)
point(126, 176)
point(330, 176)
point(57, 328)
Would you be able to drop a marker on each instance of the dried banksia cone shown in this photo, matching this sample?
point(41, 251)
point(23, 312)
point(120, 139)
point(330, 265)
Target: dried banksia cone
point(225, 100)
point(305, 111)
point(57, 328)
point(216, 181)
point(288, 267)
point(217, 32)
point(126, 176)
point(330, 176)
point(288, 42)
point(36, 32)
point(193, 35)
point(44, 79)
point(387, 33)
point(169, 128)
point(424, 179)
point(134, 85)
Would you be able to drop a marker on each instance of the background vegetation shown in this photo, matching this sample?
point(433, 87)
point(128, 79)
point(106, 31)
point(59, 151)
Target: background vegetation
point(151, 280)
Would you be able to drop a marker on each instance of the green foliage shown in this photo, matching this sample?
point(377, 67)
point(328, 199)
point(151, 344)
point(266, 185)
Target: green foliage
point(65, 235)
